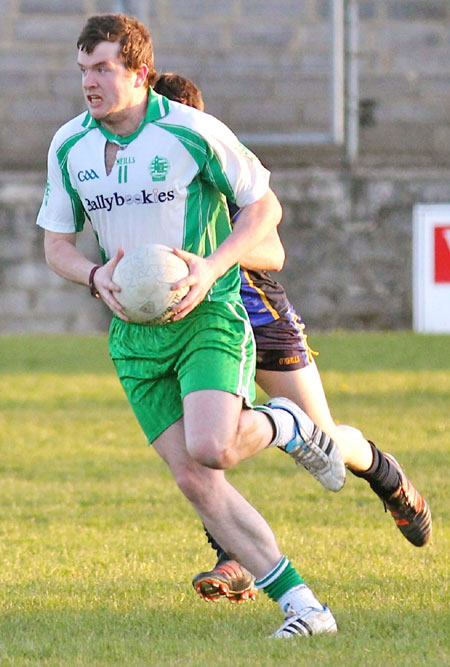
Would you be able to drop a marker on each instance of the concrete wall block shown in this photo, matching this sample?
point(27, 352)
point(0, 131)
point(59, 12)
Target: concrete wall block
point(441, 140)
point(14, 84)
point(368, 9)
point(49, 29)
point(412, 110)
point(418, 10)
point(178, 37)
point(108, 7)
point(26, 60)
point(20, 145)
point(326, 187)
point(11, 249)
point(6, 9)
point(93, 319)
point(315, 63)
point(314, 37)
point(297, 86)
point(316, 115)
point(17, 192)
point(197, 10)
point(286, 187)
point(212, 86)
point(419, 62)
point(435, 92)
point(397, 138)
point(14, 303)
point(61, 302)
point(68, 84)
point(72, 309)
point(243, 113)
point(268, 11)
point(277, 34)
point(388, 87)
point(52, 6)
point(50, 109)
point(32, 276)
point(412, 37)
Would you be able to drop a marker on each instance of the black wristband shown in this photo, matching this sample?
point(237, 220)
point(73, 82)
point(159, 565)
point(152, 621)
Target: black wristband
point(92, 288)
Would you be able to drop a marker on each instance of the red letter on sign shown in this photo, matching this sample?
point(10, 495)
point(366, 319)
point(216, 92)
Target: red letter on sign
point(442, 254)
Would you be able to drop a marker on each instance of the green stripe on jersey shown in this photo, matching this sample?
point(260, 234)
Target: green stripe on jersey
point(206, 223)
point(204, 155)
point(62, 154)
point(209, 226)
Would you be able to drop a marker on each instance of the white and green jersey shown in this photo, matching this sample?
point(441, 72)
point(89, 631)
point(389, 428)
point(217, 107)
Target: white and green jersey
point(168, 185)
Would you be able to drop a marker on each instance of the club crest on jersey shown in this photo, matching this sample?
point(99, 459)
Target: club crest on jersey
point(159, 168)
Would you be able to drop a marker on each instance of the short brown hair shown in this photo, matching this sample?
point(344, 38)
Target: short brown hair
point(133, 37)
point(180, 89)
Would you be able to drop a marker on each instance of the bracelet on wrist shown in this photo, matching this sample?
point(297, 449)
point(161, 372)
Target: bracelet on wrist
point(93, 290)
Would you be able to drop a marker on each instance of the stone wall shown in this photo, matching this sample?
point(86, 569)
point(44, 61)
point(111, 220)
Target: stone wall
point(33, 299)
point(263, 67)
point(348, 237)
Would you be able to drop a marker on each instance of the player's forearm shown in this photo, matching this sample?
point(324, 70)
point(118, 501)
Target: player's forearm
point(255, 222)
point(64, 258)
point(268, 255)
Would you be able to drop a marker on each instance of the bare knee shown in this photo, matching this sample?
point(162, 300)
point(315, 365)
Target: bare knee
point(210, 451)
point(195, 484)
point(350, 432)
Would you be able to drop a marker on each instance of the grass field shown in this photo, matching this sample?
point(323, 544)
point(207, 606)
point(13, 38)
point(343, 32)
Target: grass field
point(98, 548)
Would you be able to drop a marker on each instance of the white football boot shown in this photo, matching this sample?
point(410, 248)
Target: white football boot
point(311, 447)
point(305, 615)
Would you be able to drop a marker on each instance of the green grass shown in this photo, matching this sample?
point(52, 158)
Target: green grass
point(98, 548)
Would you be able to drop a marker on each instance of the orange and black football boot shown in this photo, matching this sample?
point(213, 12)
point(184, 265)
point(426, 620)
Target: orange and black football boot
point(228, 579)
point(409, 509)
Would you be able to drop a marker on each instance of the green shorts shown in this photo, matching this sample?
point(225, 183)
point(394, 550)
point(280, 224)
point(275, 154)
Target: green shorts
point(211, 348)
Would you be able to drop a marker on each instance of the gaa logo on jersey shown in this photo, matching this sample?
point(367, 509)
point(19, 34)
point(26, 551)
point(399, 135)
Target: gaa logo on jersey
point(87, 175)
point(159, 168)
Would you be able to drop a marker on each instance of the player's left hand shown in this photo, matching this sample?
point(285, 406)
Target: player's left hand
point(202, 274)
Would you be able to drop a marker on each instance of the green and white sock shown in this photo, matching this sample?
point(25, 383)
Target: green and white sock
point(282, 578)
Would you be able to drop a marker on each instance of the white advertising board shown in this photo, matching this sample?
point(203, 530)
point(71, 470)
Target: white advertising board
point(431, 268)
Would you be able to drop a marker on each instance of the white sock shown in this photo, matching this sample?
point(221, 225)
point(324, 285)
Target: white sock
point(283, 423)
point(297, 598)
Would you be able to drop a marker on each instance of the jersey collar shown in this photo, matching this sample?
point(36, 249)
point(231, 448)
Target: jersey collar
point(158, 107)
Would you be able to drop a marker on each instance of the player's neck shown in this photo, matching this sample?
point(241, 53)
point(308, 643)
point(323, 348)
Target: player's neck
point(124, 123)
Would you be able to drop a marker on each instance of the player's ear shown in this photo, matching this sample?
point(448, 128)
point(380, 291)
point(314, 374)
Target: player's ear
point(141, 75)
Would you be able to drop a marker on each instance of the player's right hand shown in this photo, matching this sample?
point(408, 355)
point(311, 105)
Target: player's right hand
point(105, 286)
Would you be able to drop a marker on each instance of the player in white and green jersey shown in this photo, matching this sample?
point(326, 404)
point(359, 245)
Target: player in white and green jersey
point(142, 169)
point(169, 177)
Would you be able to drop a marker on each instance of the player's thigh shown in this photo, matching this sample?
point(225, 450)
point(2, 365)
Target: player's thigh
point(211, 417)
point(156, 403)
point(143, 357)
point(219, 353)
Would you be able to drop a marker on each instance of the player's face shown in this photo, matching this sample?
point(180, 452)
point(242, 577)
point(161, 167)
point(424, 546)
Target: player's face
point(108, 87)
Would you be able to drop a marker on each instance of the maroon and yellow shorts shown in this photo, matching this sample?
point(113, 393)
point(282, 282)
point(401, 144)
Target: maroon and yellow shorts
point(282, 345)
